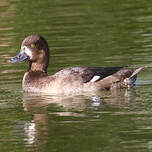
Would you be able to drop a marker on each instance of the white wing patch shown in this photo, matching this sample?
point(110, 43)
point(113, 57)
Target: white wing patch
point(95, 78)
point(27, 51)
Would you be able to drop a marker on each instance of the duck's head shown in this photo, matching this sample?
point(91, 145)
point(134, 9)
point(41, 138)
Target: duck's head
point(35, 49)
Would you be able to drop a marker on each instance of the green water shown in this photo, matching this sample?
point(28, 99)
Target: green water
point(79, 33)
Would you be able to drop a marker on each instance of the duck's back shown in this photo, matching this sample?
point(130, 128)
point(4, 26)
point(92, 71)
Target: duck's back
point(87, 74)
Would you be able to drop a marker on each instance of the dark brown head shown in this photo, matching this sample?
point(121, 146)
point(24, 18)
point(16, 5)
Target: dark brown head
point(35, 49)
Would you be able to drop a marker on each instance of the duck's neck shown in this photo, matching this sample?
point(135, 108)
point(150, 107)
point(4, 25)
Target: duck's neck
point(41, 64)
point(37, 67)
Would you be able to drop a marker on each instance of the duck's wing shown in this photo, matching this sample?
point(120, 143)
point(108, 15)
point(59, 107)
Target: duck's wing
point(89, 74)
point(102, 72)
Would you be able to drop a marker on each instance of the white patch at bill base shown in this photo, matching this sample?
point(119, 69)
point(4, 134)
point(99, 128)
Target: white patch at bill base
point(27, 51)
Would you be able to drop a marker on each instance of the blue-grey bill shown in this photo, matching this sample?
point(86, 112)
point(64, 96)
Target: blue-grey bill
point(18, 58)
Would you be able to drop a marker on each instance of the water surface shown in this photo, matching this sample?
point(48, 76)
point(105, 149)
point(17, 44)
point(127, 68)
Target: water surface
point(79, 33)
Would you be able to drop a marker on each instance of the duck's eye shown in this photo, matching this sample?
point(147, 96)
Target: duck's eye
point(32, 45)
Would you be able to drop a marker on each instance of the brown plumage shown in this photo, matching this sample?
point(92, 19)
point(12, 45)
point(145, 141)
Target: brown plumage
point(70, 80)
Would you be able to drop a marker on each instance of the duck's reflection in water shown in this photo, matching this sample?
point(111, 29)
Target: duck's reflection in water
point(37, 129)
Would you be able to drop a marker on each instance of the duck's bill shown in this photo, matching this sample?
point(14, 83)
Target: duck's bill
point(19, 57)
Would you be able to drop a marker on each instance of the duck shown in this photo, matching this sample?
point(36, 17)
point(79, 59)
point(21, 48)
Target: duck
point(70, 80)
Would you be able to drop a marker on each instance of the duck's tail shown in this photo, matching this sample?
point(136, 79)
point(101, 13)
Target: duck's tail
point(131, 79)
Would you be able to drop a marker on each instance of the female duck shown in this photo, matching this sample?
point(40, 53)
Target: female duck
point(35, 49)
